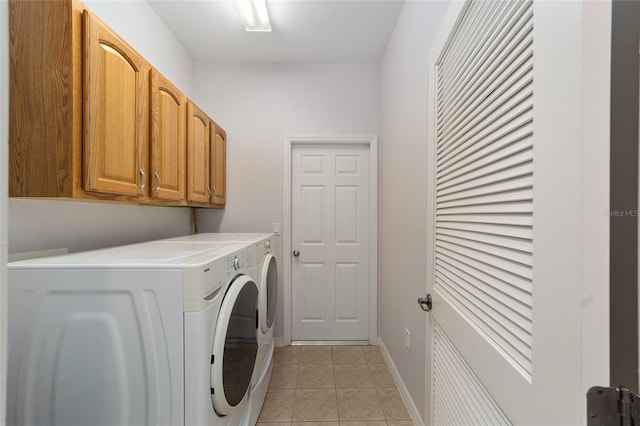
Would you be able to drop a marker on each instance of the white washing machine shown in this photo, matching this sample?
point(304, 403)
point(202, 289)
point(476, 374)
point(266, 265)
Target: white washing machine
point(266, 276)
point(146, 334)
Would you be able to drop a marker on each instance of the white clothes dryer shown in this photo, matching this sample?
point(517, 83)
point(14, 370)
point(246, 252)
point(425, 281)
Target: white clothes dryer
point(146, 334)
point(267, 280)
point(266, 276)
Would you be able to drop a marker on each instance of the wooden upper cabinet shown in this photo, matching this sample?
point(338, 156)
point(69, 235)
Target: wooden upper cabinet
point(219, 165)
point(116, 118)
point(45, 98)
point(198, 156)
point(89, 118)
point(168, 139)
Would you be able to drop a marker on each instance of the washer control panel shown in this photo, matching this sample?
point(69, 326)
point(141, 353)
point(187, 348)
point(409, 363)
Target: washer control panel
point(242, 259)
point(237, 263)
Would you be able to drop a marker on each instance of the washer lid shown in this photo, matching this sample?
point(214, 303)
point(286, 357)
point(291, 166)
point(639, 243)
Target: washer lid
point(152, 254)
point(222, 236)
point(235, 345)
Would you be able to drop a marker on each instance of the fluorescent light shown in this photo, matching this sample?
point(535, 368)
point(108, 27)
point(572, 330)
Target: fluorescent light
point(254, 15)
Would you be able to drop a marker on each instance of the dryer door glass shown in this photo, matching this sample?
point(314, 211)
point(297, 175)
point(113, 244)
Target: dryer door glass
point(235, 348)
point(271, 278)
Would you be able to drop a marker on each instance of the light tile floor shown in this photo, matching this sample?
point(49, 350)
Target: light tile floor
point(332, 386)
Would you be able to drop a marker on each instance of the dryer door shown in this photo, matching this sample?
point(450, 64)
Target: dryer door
point(268, 292)
point(235, 345)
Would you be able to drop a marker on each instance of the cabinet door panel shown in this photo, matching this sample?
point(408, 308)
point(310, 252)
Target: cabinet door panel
point(168, 139)
point(115, 123)
point(198, 156)
point(219, 166)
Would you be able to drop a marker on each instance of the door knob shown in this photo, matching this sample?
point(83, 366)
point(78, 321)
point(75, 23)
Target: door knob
point(296, 253)
point(426, 304)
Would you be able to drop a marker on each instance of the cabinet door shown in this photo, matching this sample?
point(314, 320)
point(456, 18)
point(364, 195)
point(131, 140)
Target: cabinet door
point(219, 165)
point(116, 87)
point(198, 155)
point(168, 139)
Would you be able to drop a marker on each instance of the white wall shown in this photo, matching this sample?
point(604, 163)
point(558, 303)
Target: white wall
point(403, 180)
point(137, 23)
point(40, 224)
point(258, 104)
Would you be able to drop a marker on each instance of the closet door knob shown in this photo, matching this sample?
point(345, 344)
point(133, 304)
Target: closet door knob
point(426, 303)
point(296, 253)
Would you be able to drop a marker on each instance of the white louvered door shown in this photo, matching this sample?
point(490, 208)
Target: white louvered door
point(505, 252)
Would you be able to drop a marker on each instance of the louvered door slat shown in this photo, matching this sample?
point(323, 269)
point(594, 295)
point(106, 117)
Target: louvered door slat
point(470, 46)
point(493, 126)
point(492, 249)
point(520, 297)
point(490, 260)
point(473, 410)
point(474, 17)
point(452, 379)
point(509, 55)
point(490, 124)
point(502, 153)
point(500, 326)
point(517, 63)
point(477, 32)
point(503, 189)
point(513, 213)
point(494, 163)
point(511, 168)
point(494, 337)
point(495, 323)
point(499, 309)
point(517, 226)
point(508, 90)
point(511, 243)
point(514, 131)
point(505, 301)
point(484, 178)
point(520, 195)
point(475, 266)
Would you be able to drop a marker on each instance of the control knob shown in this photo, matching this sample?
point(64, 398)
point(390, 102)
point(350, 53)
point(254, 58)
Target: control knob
point(236, 263)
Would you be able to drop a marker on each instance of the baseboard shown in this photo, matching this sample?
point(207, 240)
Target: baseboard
point(404, 392)
point(278, 342)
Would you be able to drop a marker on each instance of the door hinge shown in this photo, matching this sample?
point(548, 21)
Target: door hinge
point(612, 406)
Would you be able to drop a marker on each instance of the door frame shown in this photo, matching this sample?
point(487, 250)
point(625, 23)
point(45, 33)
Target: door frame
point(372, 143)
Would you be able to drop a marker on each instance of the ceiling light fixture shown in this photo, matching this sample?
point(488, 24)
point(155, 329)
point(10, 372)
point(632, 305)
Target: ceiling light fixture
point(254, 15)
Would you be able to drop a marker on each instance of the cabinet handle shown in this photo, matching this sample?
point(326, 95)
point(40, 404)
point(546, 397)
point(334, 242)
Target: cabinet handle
point(144, 180)
point(158, 182)
point(208, 192)
point(215, 193)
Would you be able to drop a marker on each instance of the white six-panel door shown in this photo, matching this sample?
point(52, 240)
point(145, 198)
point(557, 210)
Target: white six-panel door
point(508, 253)
point(330, 225)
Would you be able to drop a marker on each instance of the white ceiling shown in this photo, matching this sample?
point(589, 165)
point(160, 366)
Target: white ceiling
point(303, 30)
